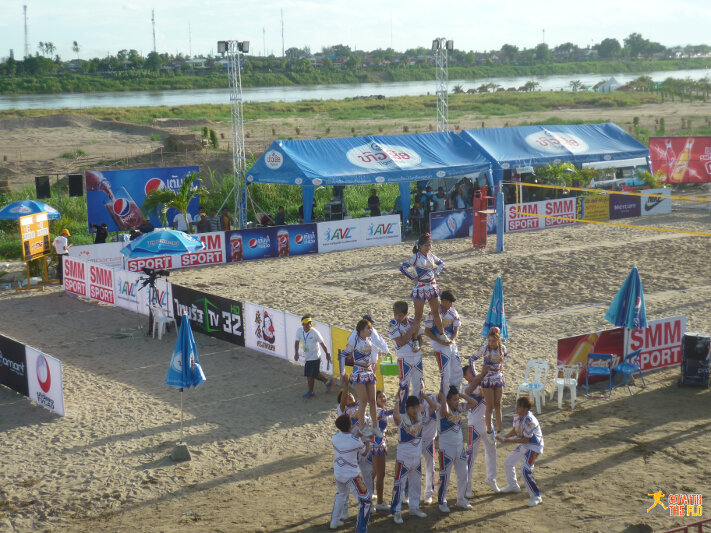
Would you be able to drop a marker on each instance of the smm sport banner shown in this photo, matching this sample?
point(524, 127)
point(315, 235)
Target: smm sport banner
point(565, 207)
point(660, 342)
point(681, 159)
point(212, 254)
point(212, 315)
point(116, 196)
point(352, 233)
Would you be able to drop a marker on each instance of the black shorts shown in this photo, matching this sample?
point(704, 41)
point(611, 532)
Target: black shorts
point(312, 368)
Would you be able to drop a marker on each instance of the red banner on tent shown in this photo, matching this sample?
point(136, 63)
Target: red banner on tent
point(681, 159)
point(574, 350)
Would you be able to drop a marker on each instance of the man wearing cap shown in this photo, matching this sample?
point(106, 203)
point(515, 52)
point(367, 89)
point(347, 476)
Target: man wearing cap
point(446, 353)
point(61, 247)
point(310, 341)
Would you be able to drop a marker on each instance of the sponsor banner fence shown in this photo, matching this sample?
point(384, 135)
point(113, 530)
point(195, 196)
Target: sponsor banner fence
point(44, 380)
point(212, 254)
point(622, 206)
point(107, 254)
point(595, 207)
point(131, 293)
point(32, 373)
point(212, 315)
point(13, 365)
point(264, 330)
point(75, 276)
point(660, 342)
point(653, 205)
point(565, 207)
point(455, 224)
point(116, 196)
point(101, 284)
point(352, 233)
point(292, 323)
point(681, 159)
point(273, 241)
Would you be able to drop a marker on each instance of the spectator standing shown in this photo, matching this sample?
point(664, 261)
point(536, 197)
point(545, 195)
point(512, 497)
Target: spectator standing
point(181, 224)
point(279, 220)
point(102, 232)
point(202, 225)
point(374, 203)
point(61, 247)
point(213, 220)
point(225, 221)
point(458, 201)
point(440, 200)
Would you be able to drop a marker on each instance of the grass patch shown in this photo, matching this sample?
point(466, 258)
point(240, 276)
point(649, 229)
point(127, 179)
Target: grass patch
point(76, 153)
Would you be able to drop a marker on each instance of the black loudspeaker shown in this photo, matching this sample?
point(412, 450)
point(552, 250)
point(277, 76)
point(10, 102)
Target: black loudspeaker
point(695, 360)
point(76, 185)
point(42, 187)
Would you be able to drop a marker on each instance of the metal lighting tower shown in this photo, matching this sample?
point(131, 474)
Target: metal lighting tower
point(153, 22)
point(27, 41)
point(233, 49)
point(441, 46)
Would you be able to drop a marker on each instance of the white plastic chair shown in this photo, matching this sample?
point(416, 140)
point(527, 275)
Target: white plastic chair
point(567, 376)
point(160, 321)
point(534, 382)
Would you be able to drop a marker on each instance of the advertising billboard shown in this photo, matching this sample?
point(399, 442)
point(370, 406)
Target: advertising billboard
point(209, 314)
point(623, 206)
point(34, 230)
point(681, 159)
point(264, 330)
point(116, 196)
point(13, 365)
point(660, 342)
point(595, 207)
point(454, 224)
point(44, 380)
point(518, 216)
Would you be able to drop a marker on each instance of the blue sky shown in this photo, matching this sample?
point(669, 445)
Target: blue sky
point(102, 27)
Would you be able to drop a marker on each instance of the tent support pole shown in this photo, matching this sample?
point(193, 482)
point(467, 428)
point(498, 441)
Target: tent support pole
point(498, 178)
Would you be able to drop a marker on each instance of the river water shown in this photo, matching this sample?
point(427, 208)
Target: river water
point(309, 92)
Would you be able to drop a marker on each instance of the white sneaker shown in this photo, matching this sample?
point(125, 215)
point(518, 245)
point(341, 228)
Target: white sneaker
point(443, 507)
point(378, 433)
point(406, 500)
point(335, 525)
point(464, 504)
point(397, 518)
point(382, 506)
point(418, 513)
point(535, 501)
point(428, 499)
point(468, 494)
point(509, 488)
point(493, 485)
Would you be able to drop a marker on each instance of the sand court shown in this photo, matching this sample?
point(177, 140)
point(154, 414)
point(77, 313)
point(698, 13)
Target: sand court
point(262, 458)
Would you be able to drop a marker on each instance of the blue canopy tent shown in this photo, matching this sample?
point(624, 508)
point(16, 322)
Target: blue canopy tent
point(365, 160)
point(535, 146)
point(532, 146)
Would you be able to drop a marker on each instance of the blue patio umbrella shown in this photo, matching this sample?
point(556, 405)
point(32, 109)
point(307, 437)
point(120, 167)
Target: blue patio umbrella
point(185, 370)
point(628, 309)
point(496, 317)
point(15, 210)
point(162, 242)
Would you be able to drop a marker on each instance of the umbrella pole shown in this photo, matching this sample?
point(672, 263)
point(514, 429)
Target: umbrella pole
point(181, 414)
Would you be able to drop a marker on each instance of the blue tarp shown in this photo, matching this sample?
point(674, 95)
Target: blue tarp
point(531, 146)
point(366, 160)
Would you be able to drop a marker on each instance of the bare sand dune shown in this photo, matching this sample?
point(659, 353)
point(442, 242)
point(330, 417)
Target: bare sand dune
point(262, 458)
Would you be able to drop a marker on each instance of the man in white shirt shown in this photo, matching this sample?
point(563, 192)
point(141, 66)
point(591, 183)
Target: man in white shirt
point(180, 223)
point(61, 248)
point(310, 342)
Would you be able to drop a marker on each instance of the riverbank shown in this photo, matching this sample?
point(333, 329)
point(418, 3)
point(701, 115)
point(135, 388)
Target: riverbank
point(139, 80)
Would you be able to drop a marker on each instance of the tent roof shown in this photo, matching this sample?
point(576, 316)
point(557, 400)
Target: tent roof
point(370, 159)
point(538, 145)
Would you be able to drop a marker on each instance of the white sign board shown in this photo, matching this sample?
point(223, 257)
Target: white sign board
point(44, 380)
point(518, 220)
point(264, 330)
point(352, 233)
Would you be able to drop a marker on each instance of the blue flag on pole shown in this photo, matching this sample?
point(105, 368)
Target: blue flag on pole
point(185, 370)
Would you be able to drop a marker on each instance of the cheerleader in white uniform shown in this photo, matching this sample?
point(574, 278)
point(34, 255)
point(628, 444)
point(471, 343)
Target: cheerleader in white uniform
point(446, 352)
point(427, 266)
point(494, 355)
point(451, 447)
point(379, 449)
point(363, 375)
point(429, 434)
point(477, 431)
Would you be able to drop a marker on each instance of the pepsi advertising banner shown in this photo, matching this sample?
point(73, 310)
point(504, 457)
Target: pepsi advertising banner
point(13, 365)
point(302, 239)
point(115, 197)
point(215, 316)
point(246, 244)
point(623, 206)
point(455, 224)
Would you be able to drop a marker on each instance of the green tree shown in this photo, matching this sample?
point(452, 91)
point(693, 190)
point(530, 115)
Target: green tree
point(576, 85)
point(531, 86)
point(75, 48)
point(608, 48)
point(458, 89)
point(510, 52)
point(543, 53)
point(636, 45)
point(160, 200)
point(153, 62)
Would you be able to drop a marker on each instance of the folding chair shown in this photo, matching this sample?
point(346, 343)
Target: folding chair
point(534, 381)
point(602, 368)
point(567, 376)
point(629, 366)
point(161, 321)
